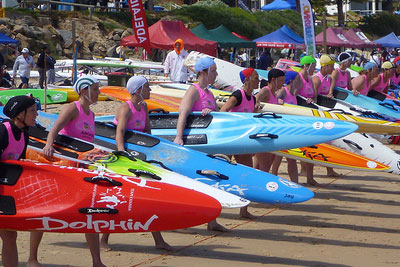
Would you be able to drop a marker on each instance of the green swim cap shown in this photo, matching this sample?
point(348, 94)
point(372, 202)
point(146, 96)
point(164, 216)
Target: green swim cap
point(307, 60)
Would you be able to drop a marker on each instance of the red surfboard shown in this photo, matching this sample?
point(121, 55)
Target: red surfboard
point(52, 198)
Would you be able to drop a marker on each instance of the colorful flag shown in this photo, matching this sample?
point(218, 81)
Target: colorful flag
point(139, 24)
point(308, 26)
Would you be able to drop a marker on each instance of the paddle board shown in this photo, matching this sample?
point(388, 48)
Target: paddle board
point(155, 102)
point(53, 97)
point(331, 156)
point(246, 133)
point(365, 125)
point(41, 197)
point(72, 95)
point(367, 102)
point(369, 147)
point(78, 153)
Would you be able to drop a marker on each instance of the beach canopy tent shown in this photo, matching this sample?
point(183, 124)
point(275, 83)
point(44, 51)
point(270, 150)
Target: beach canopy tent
point(389, 40)
point(335, 37)
point(164, 33)
point(223, 36)
point(280, 4)
point(4, 39)
point(284, 37)
point(359, 37)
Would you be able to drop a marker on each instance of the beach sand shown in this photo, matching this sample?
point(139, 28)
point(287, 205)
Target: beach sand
point(353, 220)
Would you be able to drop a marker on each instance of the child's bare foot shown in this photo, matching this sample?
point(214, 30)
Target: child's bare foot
point(214, 226)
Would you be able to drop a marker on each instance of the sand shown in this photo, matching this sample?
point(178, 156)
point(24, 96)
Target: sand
point(353, 220)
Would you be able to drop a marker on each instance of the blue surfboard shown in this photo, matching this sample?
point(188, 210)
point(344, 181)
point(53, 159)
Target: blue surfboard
point(249, 183)
point(236, 133)
point(367, 102)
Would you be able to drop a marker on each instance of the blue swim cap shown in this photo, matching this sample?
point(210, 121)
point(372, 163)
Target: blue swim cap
point(369, 65)
point(290, 76)
point(203, 64)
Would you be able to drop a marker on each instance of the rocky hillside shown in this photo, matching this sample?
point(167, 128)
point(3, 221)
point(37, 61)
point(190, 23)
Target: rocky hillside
point(98, 36)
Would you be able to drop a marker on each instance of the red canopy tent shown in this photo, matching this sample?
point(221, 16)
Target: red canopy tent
point(335, 37)
point(358, 36)
point(164, 33)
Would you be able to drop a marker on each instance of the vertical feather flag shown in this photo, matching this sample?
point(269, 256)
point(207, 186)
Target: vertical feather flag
point(308, 26)
point(139, 24)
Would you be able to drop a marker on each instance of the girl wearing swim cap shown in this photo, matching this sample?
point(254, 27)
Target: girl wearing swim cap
point(243, 101)
point(322, 80)
point(77, 120)
point(13, 142)
point(134, 115)
point(304, 79)
point(395, 80)
point(199, 98)
point(341, 76)
point(362, 83)
point(269, 94)
point(381, 83)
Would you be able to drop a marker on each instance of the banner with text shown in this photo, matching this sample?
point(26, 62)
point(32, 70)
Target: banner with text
point(139, 24)
point(308, 26)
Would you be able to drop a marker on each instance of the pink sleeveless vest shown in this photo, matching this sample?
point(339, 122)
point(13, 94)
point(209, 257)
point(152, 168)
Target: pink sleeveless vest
point(307, 90)
point(289, 98)
point(138, 119)
point(205, 100)
point(395, 80)
point(82, 127)
point(245, 105)
point(272, 98)
point(365, 89)
point(323, 88)
point(342, 79)
point(382, 85)
point(15, 147)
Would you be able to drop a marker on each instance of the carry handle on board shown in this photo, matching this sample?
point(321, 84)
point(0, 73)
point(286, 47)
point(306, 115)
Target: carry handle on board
point(146, 173)
point(263, 135)
point(98, 211)
point(101, 178)
point(264, 114)
point(158, 110)
point(338, 110)
point(349, 142)
point(388, 105)
point(211, 172)
point(152, 161)
point(222, 156)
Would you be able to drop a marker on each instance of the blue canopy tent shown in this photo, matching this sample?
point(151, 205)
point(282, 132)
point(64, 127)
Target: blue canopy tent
point(4, 39)
point(389, 40)
point(281, 38)
point(280, 4)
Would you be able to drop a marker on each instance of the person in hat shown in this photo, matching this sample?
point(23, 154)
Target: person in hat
point(304, 78)
point(395, 80)
point(322, 80)
point(269, 94)
point(199, 98)
point(5, 78)
point(341, 76)
point(382, 82)
point(134, 115)
point(362, 83)
point(77, 120)
point(13, 143)
point(243, 101)
point(174, 66)
point(23, 65)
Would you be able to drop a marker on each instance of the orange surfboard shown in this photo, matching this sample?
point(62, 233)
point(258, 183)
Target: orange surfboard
point(156, 101)
point(331, 156)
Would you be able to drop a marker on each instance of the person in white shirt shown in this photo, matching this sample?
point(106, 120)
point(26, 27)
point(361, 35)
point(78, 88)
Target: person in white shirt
point(174, 63)
point(23, 64)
